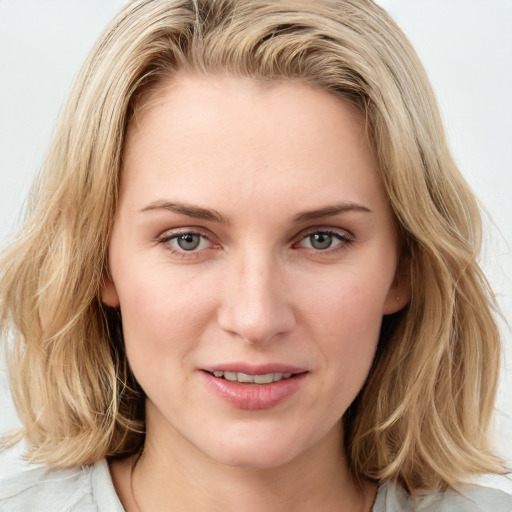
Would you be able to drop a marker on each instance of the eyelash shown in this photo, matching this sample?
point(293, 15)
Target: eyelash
point(343, 237)
point(167, 237)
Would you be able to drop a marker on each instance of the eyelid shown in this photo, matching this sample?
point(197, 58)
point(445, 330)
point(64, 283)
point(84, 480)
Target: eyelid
point(171, 234)
point(344, 237)
point(174, 232)
point(345, 234)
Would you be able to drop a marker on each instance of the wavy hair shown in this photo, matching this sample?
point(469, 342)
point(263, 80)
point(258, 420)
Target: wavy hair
point(422, 417)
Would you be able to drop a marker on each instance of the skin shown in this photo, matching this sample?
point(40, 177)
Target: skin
point(256, 289)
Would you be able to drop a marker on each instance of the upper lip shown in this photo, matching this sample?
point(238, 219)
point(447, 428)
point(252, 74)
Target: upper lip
point(254, 369)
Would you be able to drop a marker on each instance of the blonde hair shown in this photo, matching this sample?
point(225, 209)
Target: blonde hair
point(422, 417)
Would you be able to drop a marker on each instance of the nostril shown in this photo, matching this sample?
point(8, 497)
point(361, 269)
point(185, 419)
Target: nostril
point(252, 306)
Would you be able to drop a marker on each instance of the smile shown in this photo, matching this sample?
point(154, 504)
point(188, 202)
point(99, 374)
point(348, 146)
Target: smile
point(245, 378)
point(255, 388)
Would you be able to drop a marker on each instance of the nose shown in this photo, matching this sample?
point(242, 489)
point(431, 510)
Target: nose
point(255, 303)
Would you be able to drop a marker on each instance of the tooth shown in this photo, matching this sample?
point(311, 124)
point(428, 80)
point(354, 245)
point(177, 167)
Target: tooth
point(243, 377)
point(264, 379)
point(250, 379)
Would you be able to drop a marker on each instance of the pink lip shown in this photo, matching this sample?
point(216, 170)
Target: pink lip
point(254, 369)
point(255, 396)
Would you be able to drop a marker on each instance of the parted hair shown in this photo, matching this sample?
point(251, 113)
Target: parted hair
point(423, 414)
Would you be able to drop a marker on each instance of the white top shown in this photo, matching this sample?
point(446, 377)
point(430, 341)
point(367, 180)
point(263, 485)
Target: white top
point(90, 489)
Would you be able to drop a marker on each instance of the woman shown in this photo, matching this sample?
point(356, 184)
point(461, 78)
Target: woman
point(249, 279)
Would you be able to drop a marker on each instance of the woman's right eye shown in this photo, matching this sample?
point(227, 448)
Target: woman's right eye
point(185, 241)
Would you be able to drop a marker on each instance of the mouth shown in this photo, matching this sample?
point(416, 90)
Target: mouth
point(247, 378)
point(257, 387)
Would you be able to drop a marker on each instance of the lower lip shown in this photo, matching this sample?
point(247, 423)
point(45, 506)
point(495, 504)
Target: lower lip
point(254, 396)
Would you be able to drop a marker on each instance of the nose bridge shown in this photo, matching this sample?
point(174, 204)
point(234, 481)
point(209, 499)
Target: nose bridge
point(254, 305)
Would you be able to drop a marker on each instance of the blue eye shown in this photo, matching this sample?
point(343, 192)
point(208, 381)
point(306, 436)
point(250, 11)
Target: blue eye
point(188, 241)
point(324, 240)
point(320, 241)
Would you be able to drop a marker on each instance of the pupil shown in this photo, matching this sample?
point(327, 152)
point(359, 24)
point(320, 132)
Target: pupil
point(321, 240)
point(189, 241)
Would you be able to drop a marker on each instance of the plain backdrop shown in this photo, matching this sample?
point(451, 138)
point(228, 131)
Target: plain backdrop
point(465, 45)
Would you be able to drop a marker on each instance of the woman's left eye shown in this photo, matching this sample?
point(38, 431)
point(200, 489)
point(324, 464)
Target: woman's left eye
point(324, 240)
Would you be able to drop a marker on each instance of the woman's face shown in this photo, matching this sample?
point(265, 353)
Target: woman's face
point(253, 242)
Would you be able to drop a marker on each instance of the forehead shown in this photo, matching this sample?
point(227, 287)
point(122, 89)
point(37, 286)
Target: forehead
point(196, 98)
point(241, 134)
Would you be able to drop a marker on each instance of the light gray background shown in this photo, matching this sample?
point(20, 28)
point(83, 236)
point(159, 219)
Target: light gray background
point(466, 46)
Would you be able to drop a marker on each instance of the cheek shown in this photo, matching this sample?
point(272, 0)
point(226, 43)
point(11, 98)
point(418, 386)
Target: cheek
point(353, 334)
point(351, 356)
point(346, 321)
point(347, 304)
point(162, 317)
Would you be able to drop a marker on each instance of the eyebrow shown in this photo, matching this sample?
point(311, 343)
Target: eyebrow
point(197, 212)
point(190, 210)
point(330, 211)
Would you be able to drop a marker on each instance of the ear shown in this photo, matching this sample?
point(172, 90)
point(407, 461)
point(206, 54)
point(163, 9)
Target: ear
point(108, 292)
point(399, 293)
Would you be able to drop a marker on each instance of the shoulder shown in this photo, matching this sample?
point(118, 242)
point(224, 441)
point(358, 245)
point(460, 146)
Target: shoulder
point(465, 498)
point(78, 489)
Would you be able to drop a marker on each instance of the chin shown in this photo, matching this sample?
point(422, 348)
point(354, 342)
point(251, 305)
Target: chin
point(255, 459)
point(256, 452)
